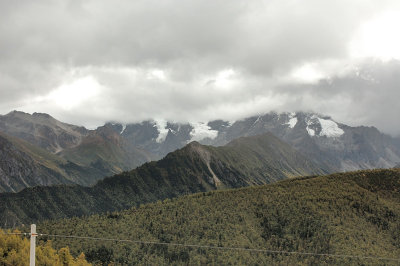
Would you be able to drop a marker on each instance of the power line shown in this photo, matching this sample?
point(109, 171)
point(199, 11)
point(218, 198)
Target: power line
point(6, 233)
point(216, 247)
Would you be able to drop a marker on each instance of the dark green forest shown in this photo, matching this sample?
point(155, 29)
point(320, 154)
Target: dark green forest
point(355, 213)
point(195, 168)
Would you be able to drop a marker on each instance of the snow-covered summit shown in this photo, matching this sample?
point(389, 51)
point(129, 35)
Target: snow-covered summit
point(317, 126)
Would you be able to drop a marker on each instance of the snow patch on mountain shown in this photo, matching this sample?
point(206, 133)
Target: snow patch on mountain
point(257, 120)
point(123, 129)
point(201, 131)
point(329, 128)
point(317, 126)
point(292, 120)
point(161, 125)
point(310, 122)
point(310, 131)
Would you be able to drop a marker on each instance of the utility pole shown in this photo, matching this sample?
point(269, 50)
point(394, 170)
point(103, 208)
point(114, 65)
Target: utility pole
point(33, 245)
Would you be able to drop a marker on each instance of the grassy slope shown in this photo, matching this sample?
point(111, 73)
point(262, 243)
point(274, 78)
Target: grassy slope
point(181, 172)
point(356, 213)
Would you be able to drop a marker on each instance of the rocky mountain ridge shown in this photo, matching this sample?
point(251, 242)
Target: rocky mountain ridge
point(42, 130)
point(335, 146)
point(78, 155)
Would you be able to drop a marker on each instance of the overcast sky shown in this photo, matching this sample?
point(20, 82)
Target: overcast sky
point(87, 62)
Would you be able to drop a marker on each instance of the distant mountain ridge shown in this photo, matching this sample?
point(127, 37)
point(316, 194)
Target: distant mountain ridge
point(337, 146)
point(42, 130)
point(332, 145)
point(113, 148)
point(86, 155)
point(194, 168)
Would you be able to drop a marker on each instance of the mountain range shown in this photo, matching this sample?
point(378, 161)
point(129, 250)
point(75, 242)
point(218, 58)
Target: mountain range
point(114, 148)
point(103, 177)
point(69, 154)
point(334, 146)
point(194, 168)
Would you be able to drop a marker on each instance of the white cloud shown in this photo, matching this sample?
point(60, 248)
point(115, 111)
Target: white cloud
point(156, 74)
point(378, 37)
point(161, 125)
point(224, 79)
point(202, 131)
point(307, 73)
point(74, 94)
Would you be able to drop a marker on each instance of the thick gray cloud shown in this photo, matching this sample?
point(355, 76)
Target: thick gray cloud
point(366, 95)
point(88, 62)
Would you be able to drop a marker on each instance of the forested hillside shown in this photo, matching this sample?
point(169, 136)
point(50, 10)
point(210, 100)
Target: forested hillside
point(195, 168)
point(355, 213)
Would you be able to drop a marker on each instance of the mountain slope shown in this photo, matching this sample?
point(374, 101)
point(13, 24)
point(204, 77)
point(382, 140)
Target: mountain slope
point(194, 168)
point(24, 165)
point(42, 130)
point(103, 150)
point(106, 150)
point(19, 170)
point(354, 213)
point(158, 139)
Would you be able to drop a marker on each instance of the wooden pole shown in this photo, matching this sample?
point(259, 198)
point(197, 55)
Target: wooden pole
point(33, 245)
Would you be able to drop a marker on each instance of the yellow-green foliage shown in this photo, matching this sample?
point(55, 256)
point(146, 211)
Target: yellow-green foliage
point(14, 250)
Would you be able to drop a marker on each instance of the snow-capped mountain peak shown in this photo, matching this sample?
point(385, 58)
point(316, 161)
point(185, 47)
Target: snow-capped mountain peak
point(317, 126)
